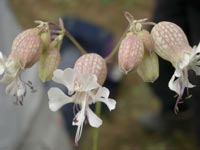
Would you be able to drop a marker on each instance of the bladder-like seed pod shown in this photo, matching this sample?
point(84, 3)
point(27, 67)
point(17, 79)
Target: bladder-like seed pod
point(170, 41)
point(131, 52)
point(26, 48)
point(92, 64)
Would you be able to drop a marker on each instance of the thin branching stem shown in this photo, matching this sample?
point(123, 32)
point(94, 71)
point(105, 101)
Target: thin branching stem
point(68, 34)
point(75, 42)
point(115, 50)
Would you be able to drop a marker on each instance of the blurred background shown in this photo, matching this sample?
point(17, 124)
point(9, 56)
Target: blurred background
point(121, 129)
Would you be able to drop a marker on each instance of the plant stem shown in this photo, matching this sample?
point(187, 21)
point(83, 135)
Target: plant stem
point(96, 130)
point(115, 50)
point(75, 42)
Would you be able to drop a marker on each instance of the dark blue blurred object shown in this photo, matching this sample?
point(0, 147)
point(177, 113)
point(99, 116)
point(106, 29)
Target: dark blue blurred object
point(92, 37)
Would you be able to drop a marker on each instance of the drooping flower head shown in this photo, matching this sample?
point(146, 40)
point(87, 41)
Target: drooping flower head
point(84, 84)
point(133, 46)
point(25, 51)
point(172, 45)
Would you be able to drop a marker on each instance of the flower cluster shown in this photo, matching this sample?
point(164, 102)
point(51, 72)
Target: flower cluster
point(27, 48)
point(137, 52)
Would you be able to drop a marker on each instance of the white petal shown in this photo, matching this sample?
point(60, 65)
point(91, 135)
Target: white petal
point(57, 99)
point(103, 92)
point(102, 96)
point(7, 78)
point(65, 77)
point(178, 85)
point(80, 116)
point(1, 69)
point(196, 70)
point(1, 56)
point(78, 121)
point(178, 72)
point(20, 88)
point(174, 85)
point(78, 133)
point(185, 61)
point(89, 82)
point(12, 88)
point(197, 49)
point(93, 119)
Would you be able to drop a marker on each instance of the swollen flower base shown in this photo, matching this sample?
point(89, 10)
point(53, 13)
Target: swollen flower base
point(172, 45)
point(83, 91)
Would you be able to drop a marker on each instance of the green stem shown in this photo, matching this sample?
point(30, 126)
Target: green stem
point(96, 130)
point(75, 42)
point(115, 50)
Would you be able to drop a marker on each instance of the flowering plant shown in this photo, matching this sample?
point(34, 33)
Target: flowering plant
point(138, 51)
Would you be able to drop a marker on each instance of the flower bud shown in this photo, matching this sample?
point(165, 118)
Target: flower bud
point(148, 69)
point(147, 40)
point(46, 39)
point(170, 41)
point(49, 61)
point(92, 64)
point(26, 48)
point(131, 52)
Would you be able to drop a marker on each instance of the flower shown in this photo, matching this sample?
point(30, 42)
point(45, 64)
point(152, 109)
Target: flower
point(172, 45)
point(11, 75)
point(25, 51)
point(10, 71)
point(83, 90)
point(179, 80)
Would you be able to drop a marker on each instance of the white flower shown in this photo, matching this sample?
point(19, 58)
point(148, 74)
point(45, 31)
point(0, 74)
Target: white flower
point(11, 72)
point(179, 80)
point(84, 90)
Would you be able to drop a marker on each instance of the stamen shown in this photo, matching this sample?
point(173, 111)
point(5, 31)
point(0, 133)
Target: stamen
point(30, 85)
point(176, 109)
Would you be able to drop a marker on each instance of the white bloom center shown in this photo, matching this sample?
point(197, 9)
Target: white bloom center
point(85, 90)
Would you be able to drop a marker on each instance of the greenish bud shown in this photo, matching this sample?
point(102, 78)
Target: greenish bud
point(148, 69)
point(49, 61)
point(46, 40)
